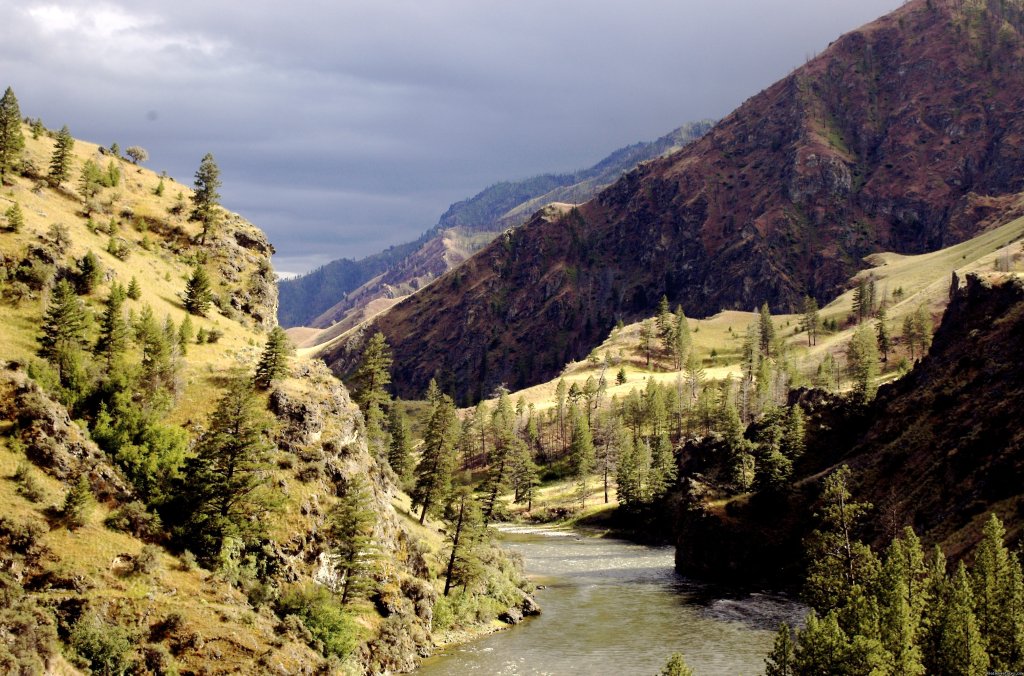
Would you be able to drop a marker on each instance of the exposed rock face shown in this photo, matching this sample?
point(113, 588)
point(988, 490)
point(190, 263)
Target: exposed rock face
point(55, 443)
point(889, 140)
point(242, 253)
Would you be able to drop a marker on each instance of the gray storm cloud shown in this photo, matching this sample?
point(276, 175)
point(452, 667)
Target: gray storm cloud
point(342, 128)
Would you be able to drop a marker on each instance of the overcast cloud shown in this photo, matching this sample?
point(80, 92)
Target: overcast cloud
point(344, 127)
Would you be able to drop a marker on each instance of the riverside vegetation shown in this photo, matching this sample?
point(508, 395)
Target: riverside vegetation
point(181, 494)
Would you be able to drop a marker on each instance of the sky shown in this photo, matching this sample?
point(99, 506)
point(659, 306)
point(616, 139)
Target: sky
point(342, 127)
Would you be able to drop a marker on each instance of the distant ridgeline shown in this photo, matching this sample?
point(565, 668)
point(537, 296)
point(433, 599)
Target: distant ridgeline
point(322, 297)
point(904, 135)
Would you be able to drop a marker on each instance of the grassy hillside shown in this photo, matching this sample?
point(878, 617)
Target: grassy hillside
point(266, 597)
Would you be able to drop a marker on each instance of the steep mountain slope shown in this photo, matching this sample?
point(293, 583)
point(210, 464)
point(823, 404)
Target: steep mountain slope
point(904, 135)
point(124, 431)
point(339, 289)
point(939, 449)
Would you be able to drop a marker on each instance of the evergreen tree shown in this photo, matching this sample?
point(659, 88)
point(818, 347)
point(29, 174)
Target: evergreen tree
point(78, 503)
point(205, 198)
point(502, 453)
point(862, 363)
point(810, 320)
point(198, 294)
point(15, 218)
point(683, 339)
point(996, 602)
point(60, 161)
point(882, 334)
point(780, 661)
point(961, 645)
point(12, 141)
point(861, 300)
point(646, 336)
point(766, 331)
point(134, 290)
point(114, 329)
point(400, 450)
point(90, 273)
point(224, 483)
point(676, 666)
point(465, 529)
point(273, 363)
point(350, 526)
point(437, 461)
point(823, 647)
point(371, 379)
point(185, 334)
point(90, 181)
point(838, 561)
point(666, 327)
point(581, 452)
point(63, 324)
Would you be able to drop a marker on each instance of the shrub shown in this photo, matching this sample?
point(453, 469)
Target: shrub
point(107, 648)
point(322, 614)
point(148, 560)
point(28, 631)
point(77, 503)
point(134, 518)
point(187, 561)
point(28, 485)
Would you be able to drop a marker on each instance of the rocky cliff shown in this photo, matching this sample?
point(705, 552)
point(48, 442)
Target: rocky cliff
point(903, 135)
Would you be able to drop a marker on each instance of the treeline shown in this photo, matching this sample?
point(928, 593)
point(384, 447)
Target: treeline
point(902, 611)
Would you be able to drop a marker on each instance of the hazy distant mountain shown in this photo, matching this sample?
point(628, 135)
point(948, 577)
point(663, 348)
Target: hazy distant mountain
point(335, 291)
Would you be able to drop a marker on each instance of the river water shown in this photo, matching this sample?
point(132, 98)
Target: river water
point(618, 608)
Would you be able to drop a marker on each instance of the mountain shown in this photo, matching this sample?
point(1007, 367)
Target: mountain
point(939, 450)
point(335, 291)
point(904, 135)
point(120, 424)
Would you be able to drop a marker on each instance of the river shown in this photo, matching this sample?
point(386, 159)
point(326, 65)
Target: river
point(615, 607)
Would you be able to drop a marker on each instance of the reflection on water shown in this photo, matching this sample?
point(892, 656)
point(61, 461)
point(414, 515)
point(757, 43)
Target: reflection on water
point(614, 607)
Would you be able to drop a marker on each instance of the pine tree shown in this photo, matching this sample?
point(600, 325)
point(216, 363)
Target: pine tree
point(90, 272)
point(350, 526)
point(780, 661)
point(766, 331)
point(502, 453)
point(961, 644)
point(114, 329)
point(581, 452)
point(810, 321)
point(676, 666)
point(159, 370)
point(991, 586)
point(400, 450)
point(15, 218)
point(64, 323)
point(134, 290)
point(882, 334)
point(273, 363)
point(861, 300)
point(683, 339)
point(60, 161)
point(205, 198)
point(185, 334)
point(437, 462)
point(90, 181)
point(666, 327)
point(77, 503)
point(371, 379)
point(224, 483)
point(646, 336)
point(12, 141)
point(862, 363)
point(838, 561)
point(465, 527)
point(198, 294)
